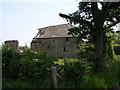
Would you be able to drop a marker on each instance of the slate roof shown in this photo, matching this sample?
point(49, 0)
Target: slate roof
point(54, 31)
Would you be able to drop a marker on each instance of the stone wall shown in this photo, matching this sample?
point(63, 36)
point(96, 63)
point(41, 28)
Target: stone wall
point(14, 44)
point(57, 46)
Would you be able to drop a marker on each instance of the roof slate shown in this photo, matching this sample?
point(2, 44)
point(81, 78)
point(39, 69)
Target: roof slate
point(54, 31)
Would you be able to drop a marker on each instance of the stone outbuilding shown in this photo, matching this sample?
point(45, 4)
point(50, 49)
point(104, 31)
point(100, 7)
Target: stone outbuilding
point(14, 44)
point(56, 41)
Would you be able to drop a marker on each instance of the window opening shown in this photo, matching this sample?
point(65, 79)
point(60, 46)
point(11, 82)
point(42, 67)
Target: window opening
point(64, 49)
point(67, 39)
point(48, 46)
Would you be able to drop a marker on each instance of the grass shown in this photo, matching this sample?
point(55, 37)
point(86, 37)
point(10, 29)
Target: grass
point(112, 75)
point(26, 84)
point(94, 82)
point(43, 82)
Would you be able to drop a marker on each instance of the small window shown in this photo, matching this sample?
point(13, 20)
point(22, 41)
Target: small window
point(64, 49)
point(48, 46)
point(67, 38)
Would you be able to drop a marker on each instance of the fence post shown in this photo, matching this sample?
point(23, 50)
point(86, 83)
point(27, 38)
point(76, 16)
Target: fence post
point(54, 76)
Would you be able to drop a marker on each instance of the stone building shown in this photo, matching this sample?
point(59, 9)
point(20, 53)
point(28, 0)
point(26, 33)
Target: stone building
point(56, 41)
point(14, 44)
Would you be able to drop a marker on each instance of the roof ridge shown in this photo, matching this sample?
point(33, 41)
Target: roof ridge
point(52, 26)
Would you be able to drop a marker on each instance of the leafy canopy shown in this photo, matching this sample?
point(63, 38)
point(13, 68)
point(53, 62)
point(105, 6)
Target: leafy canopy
point(90, 16)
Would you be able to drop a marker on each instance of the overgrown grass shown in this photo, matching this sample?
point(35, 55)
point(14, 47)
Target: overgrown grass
point(112, 74)
point(43, 82)
point(23, 84)
point(94, 82)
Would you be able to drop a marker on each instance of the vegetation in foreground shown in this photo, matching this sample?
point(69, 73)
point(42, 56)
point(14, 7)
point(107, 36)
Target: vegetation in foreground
point(32, 70)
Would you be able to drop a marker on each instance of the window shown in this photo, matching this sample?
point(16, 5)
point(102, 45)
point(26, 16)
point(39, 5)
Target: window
point(48, 47)
point(64, 49)
point(67, 38)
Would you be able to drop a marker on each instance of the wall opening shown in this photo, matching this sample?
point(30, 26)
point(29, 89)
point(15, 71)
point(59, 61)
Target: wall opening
point(64, 49)
point(48, 47)
point(67, 38)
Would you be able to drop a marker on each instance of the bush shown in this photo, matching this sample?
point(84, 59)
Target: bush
point(10, 61)
point(75, 72)
point(86, 51)
point(94, 82)
point(25, 65)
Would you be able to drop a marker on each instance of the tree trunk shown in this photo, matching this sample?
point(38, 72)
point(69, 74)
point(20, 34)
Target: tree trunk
point(99, 33)
point(99, 48)
point(99, 41)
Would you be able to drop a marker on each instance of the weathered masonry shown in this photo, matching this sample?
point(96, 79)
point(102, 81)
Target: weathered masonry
point(14, 44)
point(56, 41)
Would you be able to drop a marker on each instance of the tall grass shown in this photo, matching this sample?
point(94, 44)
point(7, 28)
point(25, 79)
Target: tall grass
point(46, 83)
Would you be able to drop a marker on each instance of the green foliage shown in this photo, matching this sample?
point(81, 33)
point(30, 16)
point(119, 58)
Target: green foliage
point(25, 65)
point(29, 69)
point(109, 39)
point(111, 75)
point(10, 60)
point(94, 82)
point(117, 50)
point(42, 83)
point(85, 50)
point(106, 79)
point(76, 72)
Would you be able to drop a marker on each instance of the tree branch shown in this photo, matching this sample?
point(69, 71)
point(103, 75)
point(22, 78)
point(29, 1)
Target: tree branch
point(87, 23)
point(112, 24)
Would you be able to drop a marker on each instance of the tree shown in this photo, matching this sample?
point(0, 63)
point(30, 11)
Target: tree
point(94, 22)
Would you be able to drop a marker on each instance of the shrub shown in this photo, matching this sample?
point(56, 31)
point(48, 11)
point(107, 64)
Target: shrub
point(34, 65)
point(85, 50)
point(94, 82)
point(75, 72)
point(25, 65)
point(10, 61)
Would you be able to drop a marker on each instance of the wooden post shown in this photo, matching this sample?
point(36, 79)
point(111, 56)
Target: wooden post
point(54, 76)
